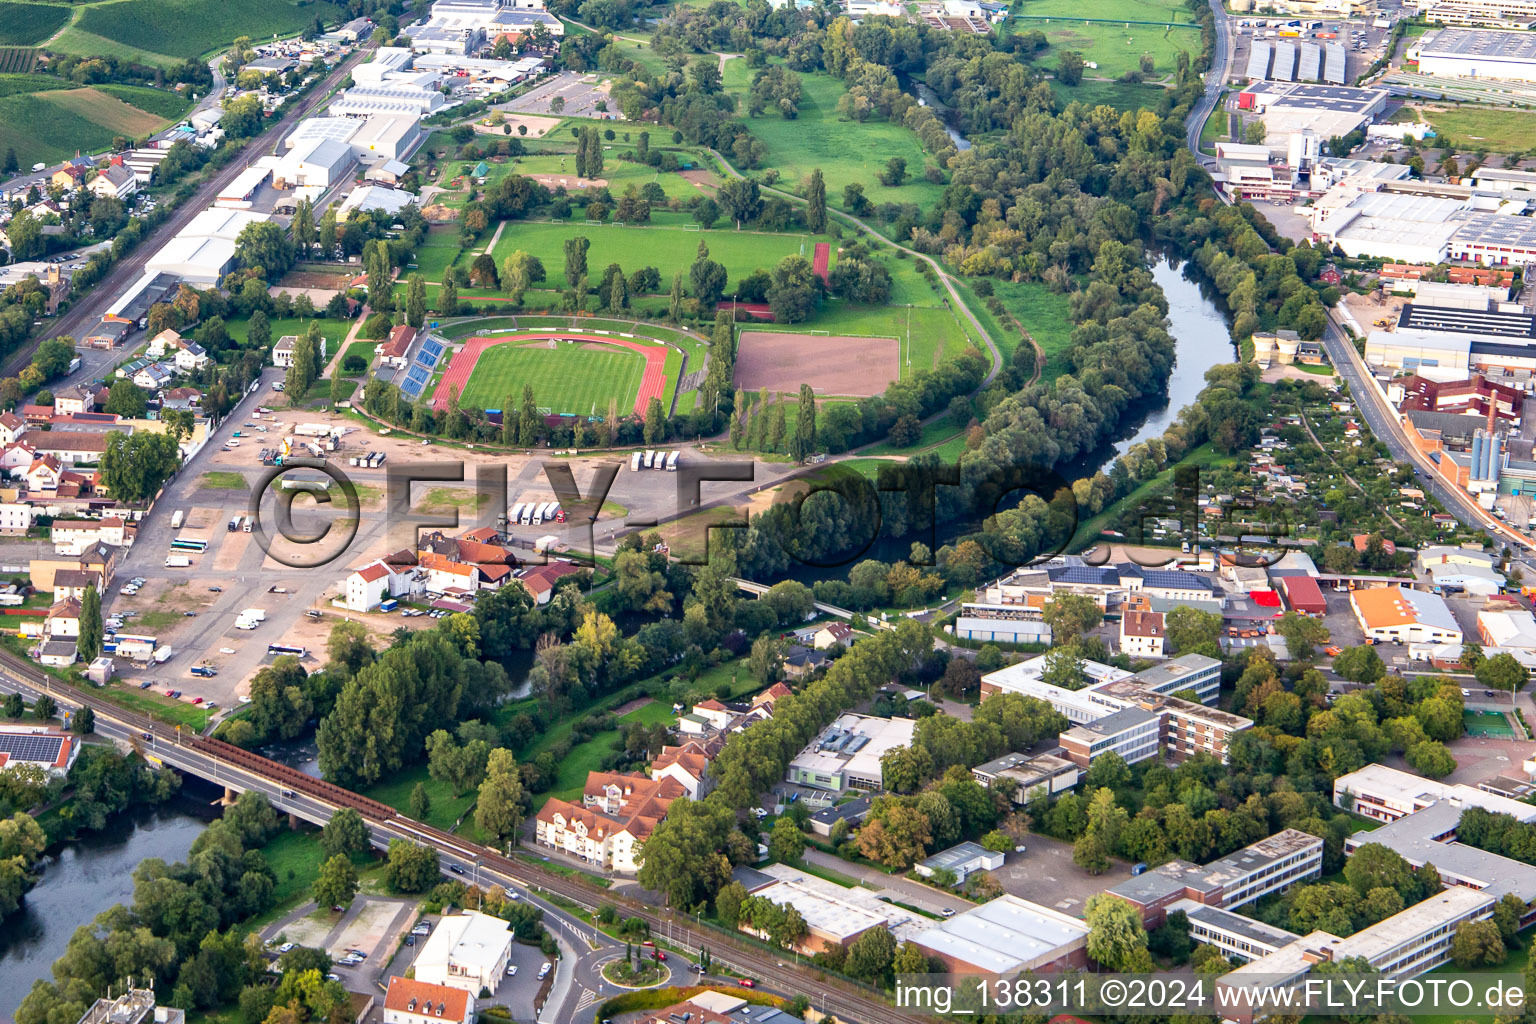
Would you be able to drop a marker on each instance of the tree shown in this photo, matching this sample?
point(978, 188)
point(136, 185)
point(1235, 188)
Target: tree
point(411, 867)
point(1109, 770)
point(576, 258)
point(805, 425)
point(708, 280)
point(1116, 939)
point(1375, 865)
point(89, 646)
point(792, 291)
point(1431, 758)
point(1192, 631)
point(44, 708)
point(134, 466)
point(785, 840)
point(1502, 672)
point(1302, 634)
point(871, 955)
point(420, 804)
point(345, 833)
point(1477, 944)
point(10, 166)
point(83, 721)
point(766, 658)
point(528, 419)
point(336, 884)
point(265, 245)
point(416, 301)
point(498, 811)
point(816, 204)
point(1360, 665)
point(126, 399)
point(741, 199)
point(1070, 616)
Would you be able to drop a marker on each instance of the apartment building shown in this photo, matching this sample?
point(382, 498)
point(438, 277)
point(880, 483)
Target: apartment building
point(1142, 634)
point(617, 815)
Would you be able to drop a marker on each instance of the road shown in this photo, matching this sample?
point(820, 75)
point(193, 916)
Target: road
point(86, 311)
point(313, 800)
point(1215, 81)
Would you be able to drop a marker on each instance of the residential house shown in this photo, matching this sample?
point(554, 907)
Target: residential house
point(11, 427)
point(688, 766)
point(408, 1001)
point(540, 580)
point(115, 182)
point(282, 352)
point(617, 815)
point(1142, 634)
point(165, 342)
point(63, 620)
point(445, 574)
point(73, 399)
point(192, 357)
point(831, 634)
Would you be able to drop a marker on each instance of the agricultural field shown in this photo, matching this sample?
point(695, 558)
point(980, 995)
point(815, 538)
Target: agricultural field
point(46, 119)
point(168, 31)
point(669, 249)
point(24, 24)
point(17, 59)
point(846, 151)
point(566, 379)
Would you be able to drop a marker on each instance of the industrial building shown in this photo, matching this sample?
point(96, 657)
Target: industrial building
point(1515, 14)
point(1504, 179)
point(961, 860)
point(1005, 936)
point(52, 750)
point(1473, 53)
point(316, 164)
point(389, 98)
point(1045, 773)
point(1404, 616)
point(204, 251)
point(1495, 239)
point(1410, 228)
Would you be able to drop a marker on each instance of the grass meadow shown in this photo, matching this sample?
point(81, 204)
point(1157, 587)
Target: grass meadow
point(668, 249)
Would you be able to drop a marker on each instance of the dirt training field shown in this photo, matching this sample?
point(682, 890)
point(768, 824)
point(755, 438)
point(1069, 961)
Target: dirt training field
point(856, 367)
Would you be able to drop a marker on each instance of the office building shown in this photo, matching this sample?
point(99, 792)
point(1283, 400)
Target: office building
point(1514, 14)
point(1387, 794)
point(467, 951)
point(1267, 866)
point(847, 755)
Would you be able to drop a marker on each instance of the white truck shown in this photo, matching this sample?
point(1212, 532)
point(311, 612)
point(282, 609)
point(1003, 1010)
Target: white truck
point(313, 430)
point(177, 518)
point(163, 654)
point(178, 562)
point(634, 461)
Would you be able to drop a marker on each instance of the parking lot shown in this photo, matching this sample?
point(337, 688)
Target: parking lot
point(580, 92)
point(1044, 874)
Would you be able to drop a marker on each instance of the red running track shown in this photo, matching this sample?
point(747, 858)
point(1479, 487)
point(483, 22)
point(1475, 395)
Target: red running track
point(653, 383)
point(822, 258)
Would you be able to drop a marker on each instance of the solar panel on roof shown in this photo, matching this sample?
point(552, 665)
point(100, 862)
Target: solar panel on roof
point(29, 747)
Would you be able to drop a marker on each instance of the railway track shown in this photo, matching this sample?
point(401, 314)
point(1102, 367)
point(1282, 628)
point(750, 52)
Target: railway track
point(842, 998)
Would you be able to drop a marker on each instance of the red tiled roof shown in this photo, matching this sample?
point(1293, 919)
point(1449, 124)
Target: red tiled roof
point(407, 995)
point(373, 571)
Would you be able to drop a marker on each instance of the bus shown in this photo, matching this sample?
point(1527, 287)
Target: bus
point(189, 544)
point(299, 652)
point(177, 518)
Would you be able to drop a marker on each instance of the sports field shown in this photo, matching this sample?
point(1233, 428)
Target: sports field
point(555, 169)
point(668, 249)
point(1488, 723)
point(1116, 48)
point(780, 362)
point(577, 375)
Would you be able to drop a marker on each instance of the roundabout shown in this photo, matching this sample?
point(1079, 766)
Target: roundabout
point(621, 972)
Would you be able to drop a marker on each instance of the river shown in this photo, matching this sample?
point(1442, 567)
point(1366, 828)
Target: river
point(84, 877)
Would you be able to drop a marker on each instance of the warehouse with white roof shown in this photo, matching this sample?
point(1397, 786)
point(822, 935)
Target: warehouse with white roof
point(1006, 935)
point(204, 251)
point(323, 163)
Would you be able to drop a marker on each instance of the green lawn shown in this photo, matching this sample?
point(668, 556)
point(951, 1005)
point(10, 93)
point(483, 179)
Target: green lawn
point(1121, 95)
point(396, 792)
point(846, 151)
point(333, 331)
point(154, 703)
point(191, 28)
point(224, 480)
point(566, 379)
point(1499, 131)
point(295, 858)
point(587, 757)
point(363, 350)
point(668, 249)
point(619, 174)
point(1045, 314)
point(29, 24)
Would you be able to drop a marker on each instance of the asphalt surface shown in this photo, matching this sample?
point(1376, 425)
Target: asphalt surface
point(86, 311)
point(1215, 81)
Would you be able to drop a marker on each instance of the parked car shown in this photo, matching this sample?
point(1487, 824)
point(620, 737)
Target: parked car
point(511, 970)
point(544, 970)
